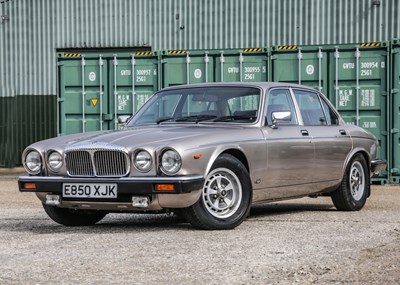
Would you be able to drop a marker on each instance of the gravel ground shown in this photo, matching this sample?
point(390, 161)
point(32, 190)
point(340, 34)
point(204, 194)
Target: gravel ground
point(302, 241)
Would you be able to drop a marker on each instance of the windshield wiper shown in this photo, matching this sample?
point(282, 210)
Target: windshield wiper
point(195, 118)
point(164, 119)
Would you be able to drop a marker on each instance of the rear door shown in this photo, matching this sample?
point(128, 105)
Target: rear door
point(332, 142)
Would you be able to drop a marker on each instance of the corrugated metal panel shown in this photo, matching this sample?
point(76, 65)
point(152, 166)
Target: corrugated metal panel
point(24, 120)
point(31, 30)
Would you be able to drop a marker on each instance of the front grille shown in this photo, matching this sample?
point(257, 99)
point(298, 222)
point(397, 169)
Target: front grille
point(99, 163)
point(79, 163)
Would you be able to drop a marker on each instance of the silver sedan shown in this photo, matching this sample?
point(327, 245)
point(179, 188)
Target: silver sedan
point(208, 151)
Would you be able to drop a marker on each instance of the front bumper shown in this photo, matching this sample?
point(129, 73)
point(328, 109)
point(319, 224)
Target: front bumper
point(186, 191)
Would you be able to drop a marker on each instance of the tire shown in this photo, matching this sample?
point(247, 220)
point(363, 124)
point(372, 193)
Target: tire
point(226, 196)
point(73, 218)
point(354, 189)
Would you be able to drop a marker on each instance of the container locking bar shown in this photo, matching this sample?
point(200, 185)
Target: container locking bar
point(83, 63)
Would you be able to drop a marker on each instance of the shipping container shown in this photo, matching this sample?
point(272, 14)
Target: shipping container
point(96, 88)
point(394, 166)
point(306, 65)
point(186, 67)
point(354, 77)
point(359, 88)
point(242, 65)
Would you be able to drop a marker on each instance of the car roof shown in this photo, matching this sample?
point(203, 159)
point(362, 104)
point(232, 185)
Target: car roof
point(263, 85)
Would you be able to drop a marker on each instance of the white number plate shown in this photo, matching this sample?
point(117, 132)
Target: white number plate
point(89, 190)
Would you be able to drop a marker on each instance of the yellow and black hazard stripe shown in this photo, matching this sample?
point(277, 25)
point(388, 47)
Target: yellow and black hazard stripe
point(252, 50)
point(144, 53)
point(72, 55)
point(287, 47)
point(176, 52)
point(376, 44)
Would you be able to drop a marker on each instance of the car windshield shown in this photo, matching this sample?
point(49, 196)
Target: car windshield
point(201, 104)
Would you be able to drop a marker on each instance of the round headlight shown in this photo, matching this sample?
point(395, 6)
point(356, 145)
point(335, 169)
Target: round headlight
point(142, 161)
point(33, 162)
point(55, 161)
point(170, 162)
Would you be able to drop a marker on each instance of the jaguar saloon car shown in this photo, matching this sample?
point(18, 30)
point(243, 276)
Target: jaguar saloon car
point(209, 152)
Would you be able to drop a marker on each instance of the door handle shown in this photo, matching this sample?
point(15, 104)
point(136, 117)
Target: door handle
point(342, 132)
point(304, 132)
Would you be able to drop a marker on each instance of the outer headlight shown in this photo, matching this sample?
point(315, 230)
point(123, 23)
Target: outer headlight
point(33, 162)
point(142, 161)
point(55, 161)
point(170, 162)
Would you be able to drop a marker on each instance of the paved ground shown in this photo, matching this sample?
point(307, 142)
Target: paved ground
point(303, 241)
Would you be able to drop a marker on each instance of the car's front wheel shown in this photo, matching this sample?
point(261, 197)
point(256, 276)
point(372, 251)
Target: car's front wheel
point(226, 196)
point(70, 217)
point(353, 191)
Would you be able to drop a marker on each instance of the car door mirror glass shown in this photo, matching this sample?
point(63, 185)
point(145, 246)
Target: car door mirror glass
point(281, 117)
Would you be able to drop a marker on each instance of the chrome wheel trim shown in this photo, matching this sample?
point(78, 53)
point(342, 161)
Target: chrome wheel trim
point(357, 180)
point(222, 193)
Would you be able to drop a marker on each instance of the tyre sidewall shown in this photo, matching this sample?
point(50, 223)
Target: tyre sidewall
point(233, 164)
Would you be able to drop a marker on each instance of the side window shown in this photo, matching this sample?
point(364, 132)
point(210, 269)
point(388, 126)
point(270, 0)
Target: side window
point(279, 100)
point(331, 116)
point(310, 108)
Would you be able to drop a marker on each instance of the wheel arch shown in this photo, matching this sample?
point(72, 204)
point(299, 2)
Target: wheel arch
point(367, 158)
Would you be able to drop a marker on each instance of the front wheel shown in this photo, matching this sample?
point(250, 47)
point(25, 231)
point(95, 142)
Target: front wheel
point(353, 191)
point(226, 196)
point(70, 217)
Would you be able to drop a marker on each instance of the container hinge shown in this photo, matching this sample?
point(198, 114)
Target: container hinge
point(384, 133)
point(384, 93)
point(395, 91)
point(164, 60)
point(274, 57)
point(394, 170)
point(60, 100)
point(394, 131)
point(395, 50)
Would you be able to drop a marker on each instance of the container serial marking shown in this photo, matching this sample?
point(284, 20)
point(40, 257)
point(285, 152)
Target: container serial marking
point(141, 75)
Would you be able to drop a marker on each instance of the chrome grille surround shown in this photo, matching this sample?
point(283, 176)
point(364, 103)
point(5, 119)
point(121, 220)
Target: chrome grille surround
point(97, 160)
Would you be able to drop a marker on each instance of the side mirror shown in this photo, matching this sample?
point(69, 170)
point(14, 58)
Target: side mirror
point(122, 120)
point(280, 117)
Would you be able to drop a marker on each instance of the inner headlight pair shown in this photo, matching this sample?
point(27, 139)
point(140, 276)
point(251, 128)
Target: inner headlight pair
point(34, 165)
point(170, 161)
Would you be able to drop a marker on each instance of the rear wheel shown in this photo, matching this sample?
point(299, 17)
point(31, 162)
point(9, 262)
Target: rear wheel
point(70, 217)
point(226, 196)
point(353, 191)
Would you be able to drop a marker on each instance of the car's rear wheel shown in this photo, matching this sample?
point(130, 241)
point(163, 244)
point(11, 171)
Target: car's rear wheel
point(70, 217)
point(353, 191)
point(226, 196)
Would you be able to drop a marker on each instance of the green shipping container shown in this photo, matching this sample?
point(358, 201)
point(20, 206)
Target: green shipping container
point(186, 67)
point(307, 65)
point(247, 65)
point(394, 166)
point(95, 89)
point(359, 89)
point(354, 77)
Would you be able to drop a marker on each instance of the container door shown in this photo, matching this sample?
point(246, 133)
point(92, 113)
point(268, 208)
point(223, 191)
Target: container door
point(359, 90)
point(129, 92)
point(241, 66)
point(181, 67)
point(307, 66)
point(395, 117)
point(82, 102)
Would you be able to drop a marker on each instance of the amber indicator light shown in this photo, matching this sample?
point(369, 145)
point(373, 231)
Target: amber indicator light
point(197, 156)
point(165, 187)
point(30, 186)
